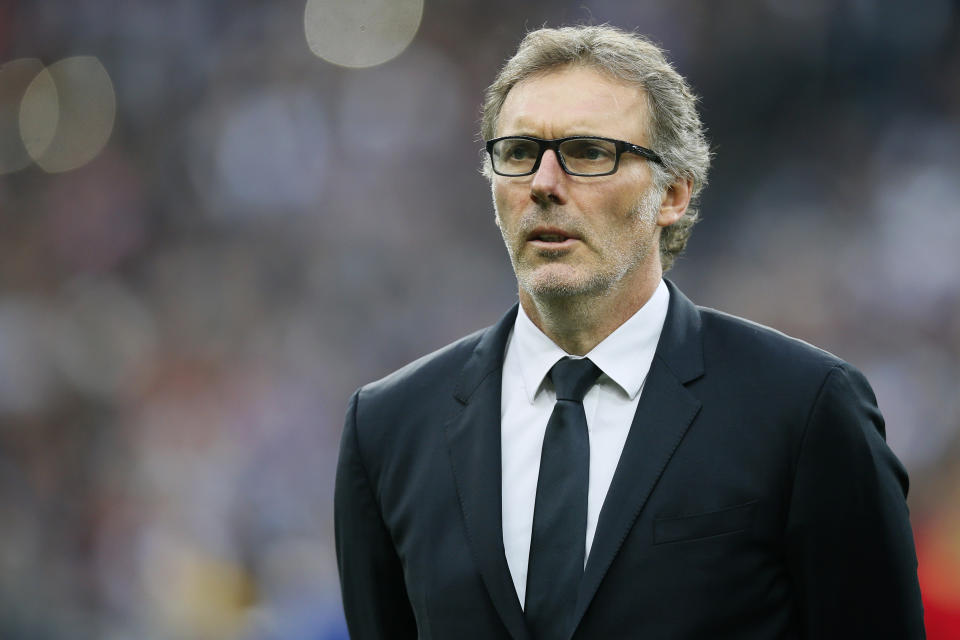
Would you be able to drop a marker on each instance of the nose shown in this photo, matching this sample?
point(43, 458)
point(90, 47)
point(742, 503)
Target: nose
point(549, 182)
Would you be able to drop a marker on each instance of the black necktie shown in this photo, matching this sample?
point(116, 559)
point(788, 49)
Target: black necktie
point(558, 543)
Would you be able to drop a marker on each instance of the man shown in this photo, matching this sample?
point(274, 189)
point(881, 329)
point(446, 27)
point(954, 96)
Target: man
point(693, 476)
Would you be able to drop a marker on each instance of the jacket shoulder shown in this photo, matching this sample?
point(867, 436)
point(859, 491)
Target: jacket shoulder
point(431, 372)
point(729, 336)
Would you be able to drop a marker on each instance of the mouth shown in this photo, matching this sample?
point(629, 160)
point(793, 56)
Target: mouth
point(552, 237)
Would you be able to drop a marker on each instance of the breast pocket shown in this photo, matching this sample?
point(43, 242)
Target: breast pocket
point(704, 525)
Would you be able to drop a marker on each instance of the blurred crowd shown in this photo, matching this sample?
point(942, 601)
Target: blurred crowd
point(184, 316)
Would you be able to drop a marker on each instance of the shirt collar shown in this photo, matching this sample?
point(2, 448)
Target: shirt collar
point(624, 356)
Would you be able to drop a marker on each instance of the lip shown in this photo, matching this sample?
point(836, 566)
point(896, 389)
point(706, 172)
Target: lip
point(567, 241)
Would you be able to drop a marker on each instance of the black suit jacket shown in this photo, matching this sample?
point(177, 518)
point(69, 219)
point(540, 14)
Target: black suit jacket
point(755, 498)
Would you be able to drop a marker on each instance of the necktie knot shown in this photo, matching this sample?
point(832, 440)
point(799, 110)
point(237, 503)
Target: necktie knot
point(573, 377)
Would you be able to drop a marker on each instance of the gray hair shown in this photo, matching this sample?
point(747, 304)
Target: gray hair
point(676, 132)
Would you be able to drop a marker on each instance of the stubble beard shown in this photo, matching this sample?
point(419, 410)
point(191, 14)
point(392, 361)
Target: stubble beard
point(556, 282)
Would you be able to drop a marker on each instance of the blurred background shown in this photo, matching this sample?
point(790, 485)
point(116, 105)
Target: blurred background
point(218, 218)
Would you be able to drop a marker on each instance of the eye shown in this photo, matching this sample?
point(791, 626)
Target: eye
point(592, 153)
point(518, 152)
point(589, 150)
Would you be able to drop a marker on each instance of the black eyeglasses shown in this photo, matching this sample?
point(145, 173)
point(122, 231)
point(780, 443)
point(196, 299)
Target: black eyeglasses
point(578, 155)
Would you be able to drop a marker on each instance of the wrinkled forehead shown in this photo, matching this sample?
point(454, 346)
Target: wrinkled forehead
point(575, 100)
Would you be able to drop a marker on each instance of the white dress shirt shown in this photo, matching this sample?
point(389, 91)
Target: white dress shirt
point(527, 401)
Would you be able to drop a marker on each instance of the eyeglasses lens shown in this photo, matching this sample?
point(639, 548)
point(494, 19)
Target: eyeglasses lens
point(515, 156)
point(589, 156)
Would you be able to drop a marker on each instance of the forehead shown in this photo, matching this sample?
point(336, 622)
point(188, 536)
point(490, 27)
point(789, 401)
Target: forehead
point(575, 101)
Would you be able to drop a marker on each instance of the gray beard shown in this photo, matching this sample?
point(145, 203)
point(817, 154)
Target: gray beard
point(644, 215)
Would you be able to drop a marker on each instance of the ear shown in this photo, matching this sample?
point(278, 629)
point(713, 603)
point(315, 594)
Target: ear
point(676, 199)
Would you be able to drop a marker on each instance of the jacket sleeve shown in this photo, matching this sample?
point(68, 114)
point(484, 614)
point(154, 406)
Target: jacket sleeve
point(371, 576)
point(849, 544)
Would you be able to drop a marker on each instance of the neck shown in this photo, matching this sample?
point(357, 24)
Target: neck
point(579, 323)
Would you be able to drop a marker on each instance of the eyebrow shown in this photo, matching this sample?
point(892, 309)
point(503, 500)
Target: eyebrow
point(567, 133)
point(524, 127)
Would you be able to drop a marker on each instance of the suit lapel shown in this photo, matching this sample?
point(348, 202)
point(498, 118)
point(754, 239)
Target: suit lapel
point(664, 414)
point(473, 438)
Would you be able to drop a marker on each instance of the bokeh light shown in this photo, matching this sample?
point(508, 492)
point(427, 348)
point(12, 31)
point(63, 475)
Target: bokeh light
point(15, 77)
point(67, 113)
point(361, 33)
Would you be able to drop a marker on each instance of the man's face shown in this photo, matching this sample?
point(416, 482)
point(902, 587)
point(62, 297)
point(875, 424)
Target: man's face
point(572, 235)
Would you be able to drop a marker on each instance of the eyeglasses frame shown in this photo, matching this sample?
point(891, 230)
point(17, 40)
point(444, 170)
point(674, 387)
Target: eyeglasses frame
point(622, 146)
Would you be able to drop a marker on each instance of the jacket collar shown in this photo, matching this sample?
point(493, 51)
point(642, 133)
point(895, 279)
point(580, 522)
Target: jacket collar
point(473, 440)
point(663, 416)
point(681, 342)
